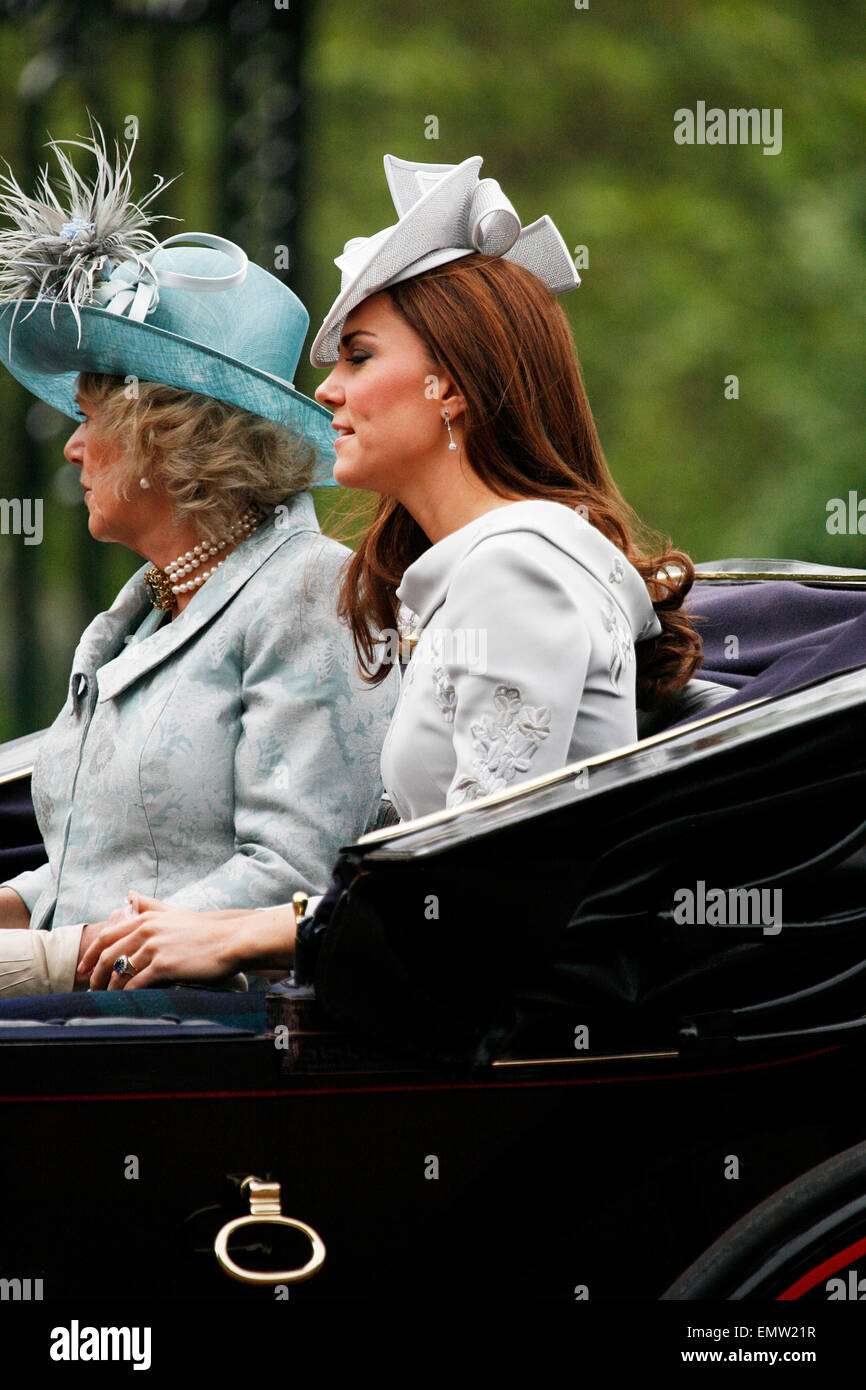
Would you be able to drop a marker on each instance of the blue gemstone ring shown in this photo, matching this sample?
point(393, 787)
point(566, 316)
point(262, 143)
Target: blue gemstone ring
point(123, 966)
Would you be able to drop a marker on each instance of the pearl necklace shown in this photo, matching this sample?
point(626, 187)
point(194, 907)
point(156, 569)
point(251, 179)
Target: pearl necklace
point(200, 554)
point(163, 586)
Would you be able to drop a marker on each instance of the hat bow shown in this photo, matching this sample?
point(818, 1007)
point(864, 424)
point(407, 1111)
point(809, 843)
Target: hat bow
point(132, 287)
point(445, 211)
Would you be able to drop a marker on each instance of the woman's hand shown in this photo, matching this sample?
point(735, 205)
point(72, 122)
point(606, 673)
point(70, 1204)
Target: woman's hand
point(94, 931)
point(165, 944)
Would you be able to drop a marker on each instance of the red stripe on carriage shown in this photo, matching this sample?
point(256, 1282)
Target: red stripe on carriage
point(821, 1271)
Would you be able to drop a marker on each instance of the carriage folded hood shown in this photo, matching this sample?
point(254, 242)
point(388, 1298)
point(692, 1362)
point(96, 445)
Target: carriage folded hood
point(426, 582)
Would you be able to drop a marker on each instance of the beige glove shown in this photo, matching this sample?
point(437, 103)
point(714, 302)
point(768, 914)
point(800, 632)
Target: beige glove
point(38, 962)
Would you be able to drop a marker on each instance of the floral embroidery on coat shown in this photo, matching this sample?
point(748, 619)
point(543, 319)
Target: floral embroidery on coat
point(505, 743)
point(621, 645)
point(446, 696)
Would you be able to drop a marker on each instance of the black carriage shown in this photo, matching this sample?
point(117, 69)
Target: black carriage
point(599, 1036)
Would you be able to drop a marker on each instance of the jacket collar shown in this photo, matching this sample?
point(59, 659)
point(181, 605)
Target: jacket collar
point(425, 584)
point(102, 648)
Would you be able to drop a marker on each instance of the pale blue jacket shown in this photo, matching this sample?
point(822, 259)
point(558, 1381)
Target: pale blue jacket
point(220, 761)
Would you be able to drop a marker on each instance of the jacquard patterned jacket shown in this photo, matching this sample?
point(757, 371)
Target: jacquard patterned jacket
point(222, 760)
point(525, 661)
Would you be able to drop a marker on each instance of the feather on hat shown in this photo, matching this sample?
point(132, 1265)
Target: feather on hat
point(56, 252)
point(85, 286)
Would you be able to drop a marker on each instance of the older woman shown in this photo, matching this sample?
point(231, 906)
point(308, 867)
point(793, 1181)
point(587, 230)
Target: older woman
point(500, 539)
point(215, 747)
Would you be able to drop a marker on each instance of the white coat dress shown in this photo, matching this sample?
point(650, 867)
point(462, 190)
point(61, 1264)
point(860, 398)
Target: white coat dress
point(527, 620)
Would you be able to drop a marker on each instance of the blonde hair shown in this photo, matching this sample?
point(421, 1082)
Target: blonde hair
point(212, 460)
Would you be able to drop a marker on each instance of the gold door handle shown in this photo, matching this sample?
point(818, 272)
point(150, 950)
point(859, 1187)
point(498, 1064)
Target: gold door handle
point(265, 1210)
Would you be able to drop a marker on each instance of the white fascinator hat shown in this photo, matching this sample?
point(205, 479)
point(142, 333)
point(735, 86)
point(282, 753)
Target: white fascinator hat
point(444, 211)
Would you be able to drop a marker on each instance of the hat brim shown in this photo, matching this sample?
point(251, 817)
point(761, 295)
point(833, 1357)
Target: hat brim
point(406, 246)
point(46, 357)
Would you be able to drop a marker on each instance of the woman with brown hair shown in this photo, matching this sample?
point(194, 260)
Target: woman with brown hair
point(501, 543)
point(512, 555)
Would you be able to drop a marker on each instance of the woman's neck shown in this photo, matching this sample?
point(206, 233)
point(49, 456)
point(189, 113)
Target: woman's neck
point(440, 510)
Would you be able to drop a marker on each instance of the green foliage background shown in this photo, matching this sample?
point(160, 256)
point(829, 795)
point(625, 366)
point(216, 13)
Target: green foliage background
point(704, 261)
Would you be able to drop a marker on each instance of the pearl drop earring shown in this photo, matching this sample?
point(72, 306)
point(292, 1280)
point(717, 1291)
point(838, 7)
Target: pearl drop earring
point(452, 446)
point(142, 482)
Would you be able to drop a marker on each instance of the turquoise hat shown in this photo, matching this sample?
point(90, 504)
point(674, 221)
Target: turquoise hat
point(89, 289)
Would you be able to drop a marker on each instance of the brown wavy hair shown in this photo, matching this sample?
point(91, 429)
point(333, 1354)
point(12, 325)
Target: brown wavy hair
point(528, 432)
